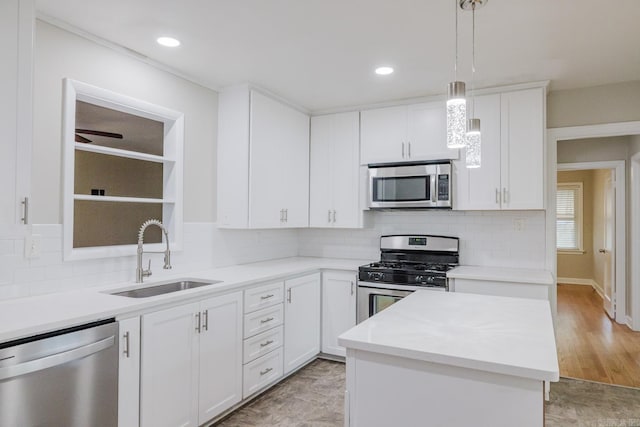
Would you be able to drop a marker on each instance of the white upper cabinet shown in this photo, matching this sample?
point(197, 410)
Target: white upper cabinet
point(511, 175)
point(334, 171)
point(17, 19)
point(405, 133)
point(263, 162)
point(523, 125)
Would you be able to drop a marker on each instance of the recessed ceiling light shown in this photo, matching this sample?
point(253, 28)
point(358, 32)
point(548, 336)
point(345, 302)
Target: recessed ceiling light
point(168, 41)
point(384, 71)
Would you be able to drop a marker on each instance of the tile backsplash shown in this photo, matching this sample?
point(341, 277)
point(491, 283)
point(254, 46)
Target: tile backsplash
point(500, 238)
point(504, 238)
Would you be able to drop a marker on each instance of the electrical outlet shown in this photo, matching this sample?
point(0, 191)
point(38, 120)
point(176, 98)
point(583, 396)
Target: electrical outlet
point(32, 246)
point(519, 224)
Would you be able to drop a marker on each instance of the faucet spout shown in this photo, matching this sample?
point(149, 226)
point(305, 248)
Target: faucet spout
point(140, 272)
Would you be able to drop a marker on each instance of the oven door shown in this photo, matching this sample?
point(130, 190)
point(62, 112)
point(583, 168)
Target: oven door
point(372, 300)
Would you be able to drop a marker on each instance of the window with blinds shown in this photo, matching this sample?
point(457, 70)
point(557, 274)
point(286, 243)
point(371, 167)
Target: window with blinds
point(569, 217)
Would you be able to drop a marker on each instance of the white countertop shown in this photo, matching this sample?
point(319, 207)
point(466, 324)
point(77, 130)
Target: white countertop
point(512, 336)
point(502, 274)
point(23, 317)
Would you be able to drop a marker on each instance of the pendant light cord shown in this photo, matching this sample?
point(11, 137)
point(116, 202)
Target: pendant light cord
point(455, 66)
point(473, 57)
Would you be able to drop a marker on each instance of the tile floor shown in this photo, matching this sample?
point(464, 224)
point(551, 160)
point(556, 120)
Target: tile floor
point(313, 397)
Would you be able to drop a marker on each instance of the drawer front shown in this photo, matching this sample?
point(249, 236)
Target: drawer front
point(262, 344)
point(262, 372)
point(263, 296)
point(263, 320)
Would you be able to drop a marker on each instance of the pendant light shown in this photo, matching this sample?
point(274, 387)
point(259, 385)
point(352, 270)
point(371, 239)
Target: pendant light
point(456, 104)
point(473, 153)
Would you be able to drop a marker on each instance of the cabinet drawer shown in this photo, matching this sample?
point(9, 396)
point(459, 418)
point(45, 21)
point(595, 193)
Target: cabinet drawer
point(261, 372)
point(262, 320)
point(263, 296)
point(262, 344)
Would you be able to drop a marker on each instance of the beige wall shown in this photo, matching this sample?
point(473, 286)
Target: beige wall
point(588, 106)
point(580, 266)
point(60, 54)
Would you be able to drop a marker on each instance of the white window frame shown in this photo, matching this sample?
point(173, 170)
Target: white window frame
point(579, 217)
point(172, 159)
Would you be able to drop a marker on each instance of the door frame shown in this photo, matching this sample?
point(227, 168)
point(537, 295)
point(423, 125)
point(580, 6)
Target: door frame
point(635, 243)
point(578, 132)
point(620, 225)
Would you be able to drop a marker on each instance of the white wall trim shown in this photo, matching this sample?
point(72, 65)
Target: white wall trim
point(635, 242)
point(578, 132)
point(629, 322)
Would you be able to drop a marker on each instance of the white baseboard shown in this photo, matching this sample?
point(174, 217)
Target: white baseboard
point(584, 282)
point(629, 322)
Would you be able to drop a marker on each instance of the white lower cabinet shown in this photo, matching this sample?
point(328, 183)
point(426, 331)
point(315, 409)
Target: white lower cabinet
point(262, 372)
point(338, 309)
point(129, 373)
point(301, 321)
point(191, 362)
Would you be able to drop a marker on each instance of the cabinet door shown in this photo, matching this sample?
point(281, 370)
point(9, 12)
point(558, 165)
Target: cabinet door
point(479, 189)
point(17, 20)
point(169, 368)
point(220, 355)
point(383, 133)
point(321, 184)
point(427, 132)
point(301, 321)
point(294, 161)
point(129, 373)
point(345, 170)
point(338, 309)
point(268, 144)
point(523, 149)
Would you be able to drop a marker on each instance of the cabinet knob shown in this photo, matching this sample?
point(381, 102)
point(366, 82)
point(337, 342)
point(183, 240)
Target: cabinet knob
point(602, 251)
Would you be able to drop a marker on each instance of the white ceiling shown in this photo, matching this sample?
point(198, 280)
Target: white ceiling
point(321, 54)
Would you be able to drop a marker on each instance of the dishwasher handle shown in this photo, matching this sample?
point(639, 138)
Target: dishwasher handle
point(55, 359)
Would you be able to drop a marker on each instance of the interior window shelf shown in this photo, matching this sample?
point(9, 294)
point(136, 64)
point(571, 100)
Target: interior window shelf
point(123, 153)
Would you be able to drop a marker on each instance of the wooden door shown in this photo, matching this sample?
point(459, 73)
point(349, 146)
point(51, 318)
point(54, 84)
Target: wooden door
point(608, 249)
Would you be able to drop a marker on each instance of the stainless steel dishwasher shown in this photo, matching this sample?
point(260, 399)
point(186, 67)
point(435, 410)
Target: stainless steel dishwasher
point(67, 378)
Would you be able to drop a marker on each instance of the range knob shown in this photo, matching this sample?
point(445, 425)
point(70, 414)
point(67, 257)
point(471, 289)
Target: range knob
point(419, 279)
point(431, 279)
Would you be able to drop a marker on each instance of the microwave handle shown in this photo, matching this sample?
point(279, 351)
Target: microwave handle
point(434, 187)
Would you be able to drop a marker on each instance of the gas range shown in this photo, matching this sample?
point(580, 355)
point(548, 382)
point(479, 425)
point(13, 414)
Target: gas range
point(407, 263)
point(413, 260)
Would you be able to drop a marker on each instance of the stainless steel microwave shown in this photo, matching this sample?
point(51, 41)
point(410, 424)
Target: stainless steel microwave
point(410, 185)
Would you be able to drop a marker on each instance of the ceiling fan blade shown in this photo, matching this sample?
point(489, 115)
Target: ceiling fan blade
point(80, 138)
point(99, 133)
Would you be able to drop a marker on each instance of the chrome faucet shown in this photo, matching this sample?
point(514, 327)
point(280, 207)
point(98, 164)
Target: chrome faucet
point(140, 272)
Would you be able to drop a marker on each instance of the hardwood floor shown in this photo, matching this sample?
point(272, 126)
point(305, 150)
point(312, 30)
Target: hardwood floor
point(590, 345)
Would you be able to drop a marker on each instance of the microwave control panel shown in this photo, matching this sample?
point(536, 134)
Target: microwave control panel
point(443, 187)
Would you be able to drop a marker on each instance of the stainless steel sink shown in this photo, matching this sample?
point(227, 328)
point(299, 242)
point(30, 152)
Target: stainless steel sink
point(164, 288)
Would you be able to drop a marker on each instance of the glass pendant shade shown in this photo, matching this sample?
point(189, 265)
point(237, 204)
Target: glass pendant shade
point(474, 144)
point(456, 115)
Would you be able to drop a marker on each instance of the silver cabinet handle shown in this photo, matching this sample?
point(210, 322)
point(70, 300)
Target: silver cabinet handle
point(267, 320)
point(329, 216)
point(505, 195)
point(334, 216)
point(25, 205)
point(127, 345)
point(403, 150)
point(409, 149)
point(286, 215)
point(266, 371)
point(198, 322)
point(266, 343)
point(281, 215)
point(497, 195)
point(205, 322)
point(352, 288)
point(289, 295)
point(55, 359)
point(263, 297)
